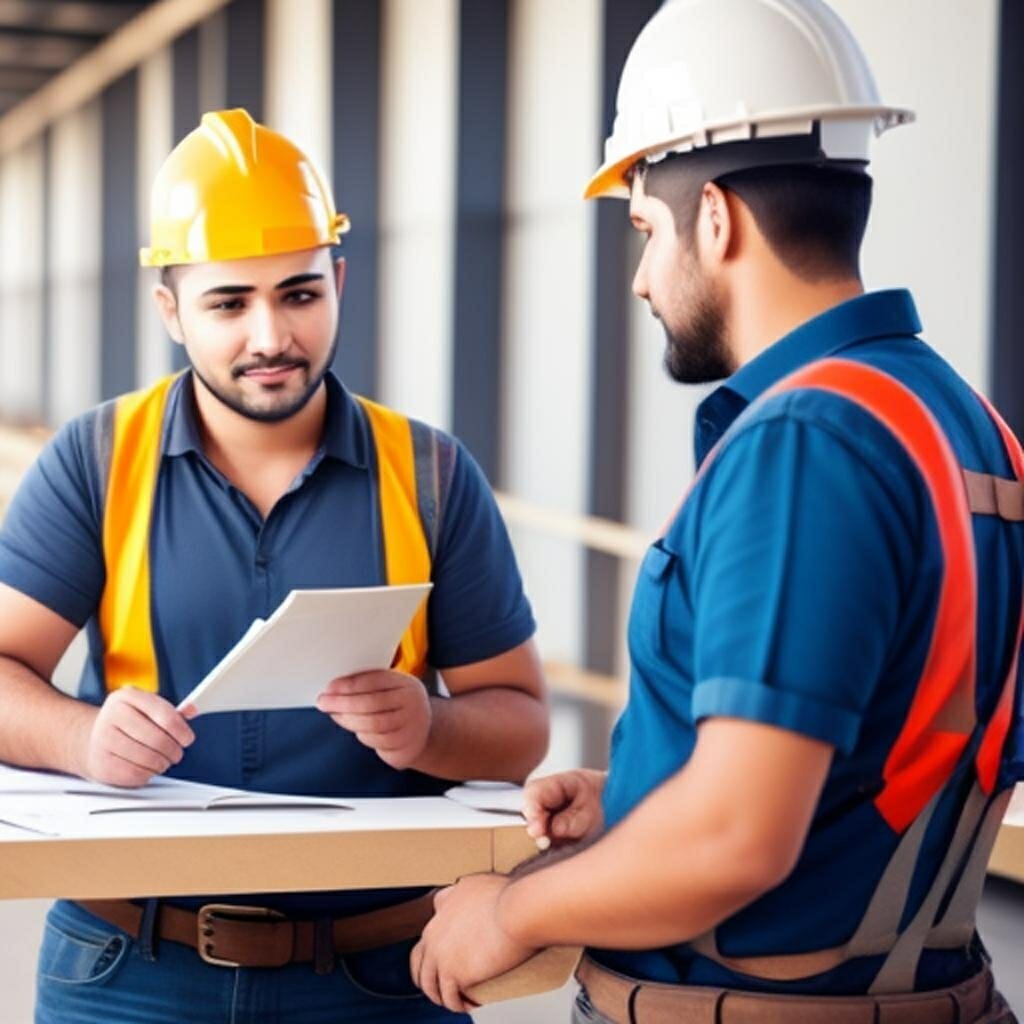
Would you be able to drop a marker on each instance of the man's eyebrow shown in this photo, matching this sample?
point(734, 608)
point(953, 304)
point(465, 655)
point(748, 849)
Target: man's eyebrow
point(229, 289)
point(291, 282)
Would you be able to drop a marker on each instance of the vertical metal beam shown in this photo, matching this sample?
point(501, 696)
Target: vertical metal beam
point(119, 226)
point(246, 23)
point(1007, 363)
point(356, 164)
point(609, 410)
point(185, 88)
point(480, 223)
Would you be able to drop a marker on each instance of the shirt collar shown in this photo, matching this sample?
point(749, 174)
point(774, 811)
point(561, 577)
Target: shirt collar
point(344, 436)
point(875, 315)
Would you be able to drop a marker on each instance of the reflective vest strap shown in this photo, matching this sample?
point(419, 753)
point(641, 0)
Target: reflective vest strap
point(990, 753)
point(941, 716)
point(406, 555)
point(124, 613)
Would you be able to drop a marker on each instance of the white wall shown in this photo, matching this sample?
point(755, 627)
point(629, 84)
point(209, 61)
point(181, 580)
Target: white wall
point(554, 110)
point(298, 75)
point(21, 282)
point(154, 131)
point(931, 227)
point(417, 206)
point(75, 261)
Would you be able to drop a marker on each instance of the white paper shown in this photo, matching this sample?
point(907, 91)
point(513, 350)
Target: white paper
point(492, 797)
point(1015, 812)
point(50, 803)
point(313, 637)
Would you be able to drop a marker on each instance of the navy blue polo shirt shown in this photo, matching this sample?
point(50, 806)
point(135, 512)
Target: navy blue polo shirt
point(798, 587)
point(216, 565)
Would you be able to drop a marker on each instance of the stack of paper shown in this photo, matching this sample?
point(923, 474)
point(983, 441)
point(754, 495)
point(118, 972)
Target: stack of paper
point(313, 637)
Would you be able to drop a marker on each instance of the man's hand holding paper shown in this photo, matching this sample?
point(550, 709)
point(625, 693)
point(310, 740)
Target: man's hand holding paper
point(388, 711)
point(133, 736)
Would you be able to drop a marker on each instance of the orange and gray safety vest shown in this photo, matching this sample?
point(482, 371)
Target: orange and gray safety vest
point(942, 739)
point(408, 486)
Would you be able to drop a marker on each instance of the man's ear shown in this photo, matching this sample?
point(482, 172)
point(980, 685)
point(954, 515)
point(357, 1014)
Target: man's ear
point(167, 307)
point(716, 225)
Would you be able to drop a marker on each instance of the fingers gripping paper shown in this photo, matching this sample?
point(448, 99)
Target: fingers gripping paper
point(312, 638)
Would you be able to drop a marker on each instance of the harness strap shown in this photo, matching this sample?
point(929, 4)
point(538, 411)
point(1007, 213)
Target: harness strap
point(900, 966)
point(406, 553)
point(956, 926)
point(993, 742)
point(949, 679)
point(411, 472)
point(124, 614)
point(942, 713)
point(990, 495)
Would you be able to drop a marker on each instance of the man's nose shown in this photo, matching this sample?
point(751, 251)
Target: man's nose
point(640, 280)
point(267, 335)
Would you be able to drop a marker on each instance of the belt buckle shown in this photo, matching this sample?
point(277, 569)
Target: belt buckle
point(206, 926)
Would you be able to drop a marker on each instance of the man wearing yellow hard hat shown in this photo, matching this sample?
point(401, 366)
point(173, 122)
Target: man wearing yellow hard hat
point(826, 714)
point(167, 520)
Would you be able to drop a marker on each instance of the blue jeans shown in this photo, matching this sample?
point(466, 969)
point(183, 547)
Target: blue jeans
point(92, 973)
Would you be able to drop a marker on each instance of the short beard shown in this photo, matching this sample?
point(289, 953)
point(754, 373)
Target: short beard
point(698, 353)
point(271, 415)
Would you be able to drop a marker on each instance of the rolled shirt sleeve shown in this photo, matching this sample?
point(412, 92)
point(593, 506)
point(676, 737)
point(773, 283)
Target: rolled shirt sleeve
point(51, 538)
point(803, 553)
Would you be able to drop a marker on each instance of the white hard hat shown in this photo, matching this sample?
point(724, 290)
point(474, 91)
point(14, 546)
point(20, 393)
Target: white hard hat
point(705, 73)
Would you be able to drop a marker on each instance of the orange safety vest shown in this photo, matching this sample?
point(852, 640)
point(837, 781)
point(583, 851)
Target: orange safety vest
point(941, 735)
point(408, 487)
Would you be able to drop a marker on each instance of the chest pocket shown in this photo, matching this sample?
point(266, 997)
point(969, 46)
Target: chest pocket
point(655, 597)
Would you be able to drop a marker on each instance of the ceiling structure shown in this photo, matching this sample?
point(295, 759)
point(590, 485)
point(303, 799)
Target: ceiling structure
point(40, 38)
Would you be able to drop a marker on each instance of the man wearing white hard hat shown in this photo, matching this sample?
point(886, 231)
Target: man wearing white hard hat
point(824, 716)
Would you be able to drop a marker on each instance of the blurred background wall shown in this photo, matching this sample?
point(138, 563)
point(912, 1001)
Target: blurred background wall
point(483, 294)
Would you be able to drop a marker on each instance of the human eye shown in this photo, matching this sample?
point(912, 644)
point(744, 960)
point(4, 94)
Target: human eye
point(301, 296)
point(227, 306)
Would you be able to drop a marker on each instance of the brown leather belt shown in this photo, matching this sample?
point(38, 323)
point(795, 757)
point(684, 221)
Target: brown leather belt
point(236, 936)
point(631, 1001)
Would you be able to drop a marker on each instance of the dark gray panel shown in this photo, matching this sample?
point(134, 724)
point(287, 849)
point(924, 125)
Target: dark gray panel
point(185, 87)
point(246, 43)
point(120, 236)
point(609, 416)
point(356, 160)
point(480, 226)
point(1008, 300)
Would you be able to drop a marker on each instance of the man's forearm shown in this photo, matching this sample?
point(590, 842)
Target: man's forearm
point(491, 733)
point(652, 881)
point(711, 839)
point(40, 727)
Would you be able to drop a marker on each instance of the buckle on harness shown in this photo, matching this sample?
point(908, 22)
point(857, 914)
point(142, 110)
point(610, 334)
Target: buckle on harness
point(208, 917)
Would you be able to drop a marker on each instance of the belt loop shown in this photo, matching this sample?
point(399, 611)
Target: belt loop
point(323, 945)
point(149, 931)
point(717, 1015)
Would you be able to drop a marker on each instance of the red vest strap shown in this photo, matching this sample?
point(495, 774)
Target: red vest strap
point(941, 716)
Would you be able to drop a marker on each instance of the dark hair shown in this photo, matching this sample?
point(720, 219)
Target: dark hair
point(813, 217)
point(168, 279)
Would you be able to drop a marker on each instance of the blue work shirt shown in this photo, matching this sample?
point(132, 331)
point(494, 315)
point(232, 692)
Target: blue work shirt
point(798, 587)
point(216, 565)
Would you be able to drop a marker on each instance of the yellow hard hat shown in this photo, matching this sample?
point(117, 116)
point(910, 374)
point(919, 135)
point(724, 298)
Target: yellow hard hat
point(233, 189)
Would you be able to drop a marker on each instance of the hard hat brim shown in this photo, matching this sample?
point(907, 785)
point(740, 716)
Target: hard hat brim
point(610, 179)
